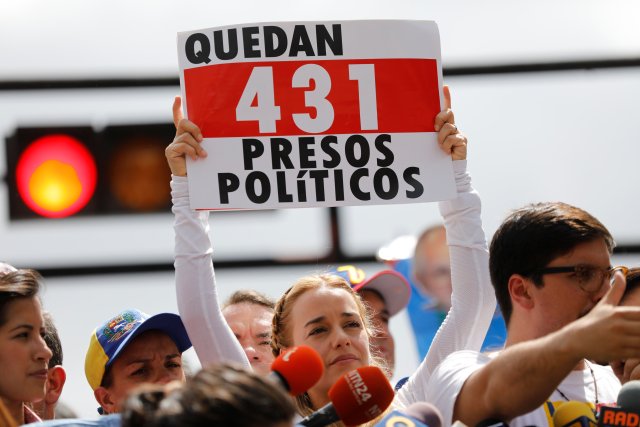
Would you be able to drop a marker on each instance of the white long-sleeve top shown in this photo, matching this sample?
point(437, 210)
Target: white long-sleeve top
point(473, 300)
point(198, 303)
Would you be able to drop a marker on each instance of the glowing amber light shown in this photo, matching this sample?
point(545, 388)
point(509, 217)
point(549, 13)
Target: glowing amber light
point(56, 176)
point(55, 186)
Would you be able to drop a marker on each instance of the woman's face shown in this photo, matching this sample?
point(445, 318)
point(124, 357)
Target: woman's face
point(328, 320)
point(150, 358)
point(23, 353)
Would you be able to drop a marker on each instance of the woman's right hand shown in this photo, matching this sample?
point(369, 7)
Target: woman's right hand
point(186, 142)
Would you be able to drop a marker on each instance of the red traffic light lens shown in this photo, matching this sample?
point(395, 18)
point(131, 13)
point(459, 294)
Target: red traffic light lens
point(56, 176)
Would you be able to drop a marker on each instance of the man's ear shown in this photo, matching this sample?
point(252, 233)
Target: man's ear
point(519, 291)
point(56, 377)
point(104, 398)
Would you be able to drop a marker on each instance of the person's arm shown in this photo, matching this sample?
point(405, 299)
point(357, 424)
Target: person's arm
point(473, 300)
point(197, 297)
point(524, 375)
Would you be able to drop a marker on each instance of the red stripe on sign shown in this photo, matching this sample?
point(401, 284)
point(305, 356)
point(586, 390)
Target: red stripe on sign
point(406, 97)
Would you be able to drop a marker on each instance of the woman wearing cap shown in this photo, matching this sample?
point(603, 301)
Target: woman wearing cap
point(23, 352)
point(323, 311)
point(133, 348)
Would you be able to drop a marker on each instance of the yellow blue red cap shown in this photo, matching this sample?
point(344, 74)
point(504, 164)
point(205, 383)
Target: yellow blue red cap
point(109, 339)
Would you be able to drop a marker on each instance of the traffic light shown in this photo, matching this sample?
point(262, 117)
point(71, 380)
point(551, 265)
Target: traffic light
point(56, 172)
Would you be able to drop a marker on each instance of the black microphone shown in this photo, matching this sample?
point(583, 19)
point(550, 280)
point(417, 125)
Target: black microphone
point(629, 396)
point(357, 397)
point(419, 414)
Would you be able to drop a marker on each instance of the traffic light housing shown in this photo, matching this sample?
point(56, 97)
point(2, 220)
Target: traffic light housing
point(57, 172)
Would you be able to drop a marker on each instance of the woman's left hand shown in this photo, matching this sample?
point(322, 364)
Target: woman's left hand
point(450, 140)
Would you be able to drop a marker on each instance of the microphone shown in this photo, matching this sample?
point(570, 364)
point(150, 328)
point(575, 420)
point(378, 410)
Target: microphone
point(420, 414)
point(628, 412)
point(297, 369)
point(629, 396)
point(617, 417)
point(357, 397)
point(574, 414)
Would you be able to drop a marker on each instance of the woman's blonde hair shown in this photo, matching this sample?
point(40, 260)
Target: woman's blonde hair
point(281, 331)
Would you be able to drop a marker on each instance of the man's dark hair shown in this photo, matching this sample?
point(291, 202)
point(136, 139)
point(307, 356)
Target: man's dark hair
point(249, 296)
point(534, 235)
point(52, 339)
point(220, 395)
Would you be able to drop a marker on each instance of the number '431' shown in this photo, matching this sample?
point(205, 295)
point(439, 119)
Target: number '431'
point(260, 86)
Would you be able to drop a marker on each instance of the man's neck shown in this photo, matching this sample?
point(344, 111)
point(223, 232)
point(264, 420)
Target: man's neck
point(517, 335)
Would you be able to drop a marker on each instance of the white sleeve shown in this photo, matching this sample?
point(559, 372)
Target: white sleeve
point(198, 304)
point(473, 300)
point(448, 379)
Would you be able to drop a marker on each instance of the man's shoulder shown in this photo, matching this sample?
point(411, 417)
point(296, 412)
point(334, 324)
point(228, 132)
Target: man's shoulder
point(448, 378)
point(460, 364)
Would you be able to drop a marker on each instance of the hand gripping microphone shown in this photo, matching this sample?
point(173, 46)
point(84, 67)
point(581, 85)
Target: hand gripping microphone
point(357, 397)
point(627, 414)
point(419, 414)
point(574, 414)
point(297, 369)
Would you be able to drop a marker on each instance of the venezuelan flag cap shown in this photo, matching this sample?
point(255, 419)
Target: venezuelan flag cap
point(391, 285)
point(109, 339)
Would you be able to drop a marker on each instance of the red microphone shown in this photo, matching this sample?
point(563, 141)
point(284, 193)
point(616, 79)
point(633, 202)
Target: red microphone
point(357, 397)
point(297, 369)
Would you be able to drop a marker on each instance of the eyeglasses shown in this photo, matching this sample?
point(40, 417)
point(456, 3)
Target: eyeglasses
point(590, 278)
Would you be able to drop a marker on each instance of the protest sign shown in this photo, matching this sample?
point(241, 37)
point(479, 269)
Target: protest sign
point(302, 114)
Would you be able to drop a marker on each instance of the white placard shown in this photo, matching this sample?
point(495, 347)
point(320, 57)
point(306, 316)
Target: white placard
point(302, 114)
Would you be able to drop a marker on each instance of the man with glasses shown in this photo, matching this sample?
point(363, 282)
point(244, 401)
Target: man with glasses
point(550, 267)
